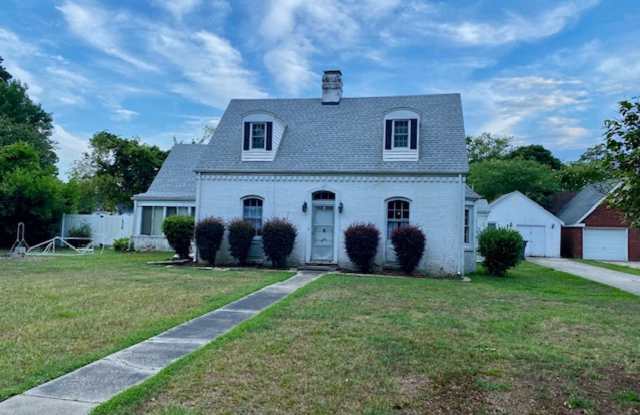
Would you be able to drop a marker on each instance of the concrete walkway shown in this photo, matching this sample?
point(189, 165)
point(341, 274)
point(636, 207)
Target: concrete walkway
point(83, 389)
point(626, 282)
point(632, 264)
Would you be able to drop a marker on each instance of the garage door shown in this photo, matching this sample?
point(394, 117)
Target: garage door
point(535, 237)
point(605, 244)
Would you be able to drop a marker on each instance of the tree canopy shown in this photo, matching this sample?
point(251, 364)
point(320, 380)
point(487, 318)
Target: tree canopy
point(622, 140)
point(22, 120)
point(495, 177)
point(538, 153)
point(488, 146)
point(117, 168)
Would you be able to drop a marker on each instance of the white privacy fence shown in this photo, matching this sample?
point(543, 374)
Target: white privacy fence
point(105, 227)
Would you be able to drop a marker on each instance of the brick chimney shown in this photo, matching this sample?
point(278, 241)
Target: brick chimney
point(331, 87)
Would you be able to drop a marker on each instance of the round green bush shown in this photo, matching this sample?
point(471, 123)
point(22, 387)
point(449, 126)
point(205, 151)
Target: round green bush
point(408, 243)
point(241, 234)
point(82, 231)
point(501, 249)
point(209, 233)
point(121, 245)
point(179, 232)
point(361, 243)
point(278, 238)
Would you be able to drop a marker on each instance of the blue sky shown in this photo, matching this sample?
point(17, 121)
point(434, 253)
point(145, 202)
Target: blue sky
point(546, 72)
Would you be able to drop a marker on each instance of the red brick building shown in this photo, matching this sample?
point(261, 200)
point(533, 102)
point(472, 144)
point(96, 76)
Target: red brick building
point(594, 230)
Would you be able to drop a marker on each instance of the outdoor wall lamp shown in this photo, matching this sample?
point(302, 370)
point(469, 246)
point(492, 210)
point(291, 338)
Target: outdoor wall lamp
point(340, 207)
point(304, 207)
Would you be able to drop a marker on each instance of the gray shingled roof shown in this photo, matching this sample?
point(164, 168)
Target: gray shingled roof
point(584, 201)
point(471, 194)
point(176, 179)
point(342, 138)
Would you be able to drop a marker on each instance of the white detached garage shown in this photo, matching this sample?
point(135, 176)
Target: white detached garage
point(539, 227)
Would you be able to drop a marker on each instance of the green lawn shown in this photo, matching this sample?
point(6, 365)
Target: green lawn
point(614, 267)
point(60, 313)
point(537, 341)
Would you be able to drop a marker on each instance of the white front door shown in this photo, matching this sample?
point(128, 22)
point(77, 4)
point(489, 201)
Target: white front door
point(605, 244)
point(535, 236)
point(322, 231)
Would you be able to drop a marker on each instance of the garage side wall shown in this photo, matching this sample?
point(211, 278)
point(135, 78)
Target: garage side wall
point(571, 242)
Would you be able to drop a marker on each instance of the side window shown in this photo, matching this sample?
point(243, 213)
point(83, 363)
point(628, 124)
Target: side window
point(152, 217)
point(397, 215)
point(467, 225)
point(400, 133)
point(252, 212)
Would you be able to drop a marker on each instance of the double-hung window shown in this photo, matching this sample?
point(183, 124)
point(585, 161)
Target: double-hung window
point(258, 135)
point(467, 226)
point(252, 212)
point(400, 133)
point(152, 217)
point(397, 215)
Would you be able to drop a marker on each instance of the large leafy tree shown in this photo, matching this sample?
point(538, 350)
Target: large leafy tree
point(589, 168)
point(4, 75)
point(488, 146)
point(117, 168)
point(538, 153)
point(622, 139)
point(493, 178)
point(22, 120)
point(29, 193)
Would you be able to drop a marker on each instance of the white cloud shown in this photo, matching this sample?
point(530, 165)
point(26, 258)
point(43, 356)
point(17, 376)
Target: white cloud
point(123, 114)
point(14, 50)
point(566, 133)
point(96, 26)
point(69, 148)
point(213, 69)
point(179, 8)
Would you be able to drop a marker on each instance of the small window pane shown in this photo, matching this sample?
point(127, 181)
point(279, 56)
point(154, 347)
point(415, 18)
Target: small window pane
point(467, 228)
point(147, 212)
point(257, 135)
point(324, 195)
point(156, 223)
point(171, 211)
point(401, 133)
point(183, 211)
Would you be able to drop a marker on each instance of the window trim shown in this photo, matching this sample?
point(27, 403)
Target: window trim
point(393, 135)
point(264, 137)
point(153, 208)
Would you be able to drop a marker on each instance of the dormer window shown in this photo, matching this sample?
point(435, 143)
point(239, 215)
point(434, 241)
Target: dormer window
point(258, 136)
point(401, 135)
point(258, 133)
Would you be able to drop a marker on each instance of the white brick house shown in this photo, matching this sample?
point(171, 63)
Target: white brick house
point(328, 162)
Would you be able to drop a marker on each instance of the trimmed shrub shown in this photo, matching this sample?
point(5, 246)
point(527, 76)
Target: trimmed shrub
point(179, 232)
point(408, 243)
point(82, 231)
point(361, 242)
point(241, 234)
point(121, 245)
point(501, 249)
point(209, 233)
point(278, 237)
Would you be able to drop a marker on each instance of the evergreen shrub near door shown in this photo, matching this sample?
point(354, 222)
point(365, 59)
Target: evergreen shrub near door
point(278, 237)
point(179, 232)
point(241, 234)
point(408, 243)
point(501, 249)
point(209, 233)
point(361, 242)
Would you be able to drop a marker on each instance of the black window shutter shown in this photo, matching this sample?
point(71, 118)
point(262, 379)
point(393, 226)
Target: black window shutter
point(387, 135)
point(269, 136)
point(247, 131)
point(414, 134)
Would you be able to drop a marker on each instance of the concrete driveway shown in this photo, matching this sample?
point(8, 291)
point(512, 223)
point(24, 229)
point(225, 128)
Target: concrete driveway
point(626, 282)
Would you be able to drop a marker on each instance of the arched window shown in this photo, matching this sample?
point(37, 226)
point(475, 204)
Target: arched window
point(252, 212)
point(397, 215)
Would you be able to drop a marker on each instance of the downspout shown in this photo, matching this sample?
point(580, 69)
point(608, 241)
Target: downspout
point(461, 230)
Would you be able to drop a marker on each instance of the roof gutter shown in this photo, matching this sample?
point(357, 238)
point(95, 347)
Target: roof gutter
point(335, 173)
